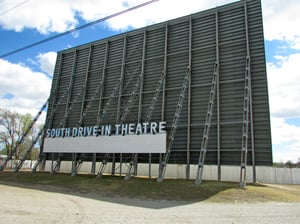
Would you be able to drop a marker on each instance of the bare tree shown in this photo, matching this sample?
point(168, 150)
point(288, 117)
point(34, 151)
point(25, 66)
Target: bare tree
point(12, 127)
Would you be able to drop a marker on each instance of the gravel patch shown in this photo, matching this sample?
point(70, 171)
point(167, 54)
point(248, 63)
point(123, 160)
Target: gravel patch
point(23, 205)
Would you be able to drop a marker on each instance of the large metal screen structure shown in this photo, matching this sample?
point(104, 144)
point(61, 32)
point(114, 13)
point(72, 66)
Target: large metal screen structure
point(120, 76)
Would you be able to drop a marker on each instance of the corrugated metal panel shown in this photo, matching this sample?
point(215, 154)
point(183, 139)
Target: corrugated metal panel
point(168, 47)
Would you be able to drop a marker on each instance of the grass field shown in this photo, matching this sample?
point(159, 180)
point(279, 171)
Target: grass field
point(145, 188)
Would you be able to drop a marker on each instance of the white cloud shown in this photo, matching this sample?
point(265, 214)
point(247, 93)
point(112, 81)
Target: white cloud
point(29, 90)
point(58, 16)
point(286, 140)
point(154, 13)
point(284, 82)
point(47, 62)
point(96, 9)
point(54, 16)
point(157, 12)
point(291, 133)
point(44, 16)
point(284, 91)
point(281, 21)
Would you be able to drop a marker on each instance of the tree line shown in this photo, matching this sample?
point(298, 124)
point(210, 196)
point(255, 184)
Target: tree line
point(288, 164)
point(13, 125)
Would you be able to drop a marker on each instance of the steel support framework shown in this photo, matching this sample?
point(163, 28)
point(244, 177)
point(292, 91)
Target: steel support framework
point(226, 34)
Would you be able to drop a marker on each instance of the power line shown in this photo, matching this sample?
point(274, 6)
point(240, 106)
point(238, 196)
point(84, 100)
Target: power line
point(76, 29)
point(4, 12)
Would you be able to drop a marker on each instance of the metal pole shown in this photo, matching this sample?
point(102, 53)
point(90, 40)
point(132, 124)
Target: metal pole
point(74, 158)
point(49, 119)
point(189, 104)
point(54, 95)
point(163, 104)
point(247, 105)
point(102, 84)
point(85, 84)
point(218, 101)
point(52, 164)
point(70, 89)
point(140, 110)
point(142, 74)
point(120, 96)
point(250, 100)
point(93, 169)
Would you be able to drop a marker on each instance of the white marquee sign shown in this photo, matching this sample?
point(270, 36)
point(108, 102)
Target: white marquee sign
point(119, 138)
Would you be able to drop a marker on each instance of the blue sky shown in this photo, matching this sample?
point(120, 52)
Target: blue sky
point(25, 77)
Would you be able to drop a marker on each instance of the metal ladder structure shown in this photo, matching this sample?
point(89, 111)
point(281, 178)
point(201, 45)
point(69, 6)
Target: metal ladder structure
point(100, 118)
point(207, 124)
point(23, 136)
point(124, 114)
point(76, 163)
point(133, 158)
point(108, 103)
point(247, 109)
point(78, 160)
point(42, 156)
point(164, 162)
point(88, 106)
point(56, 165)
point(244, 150)
point(28, 151)
point(132, 99)
point(132, 163)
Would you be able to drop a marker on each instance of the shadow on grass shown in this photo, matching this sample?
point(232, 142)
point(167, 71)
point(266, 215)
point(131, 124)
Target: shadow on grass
point(141, 192)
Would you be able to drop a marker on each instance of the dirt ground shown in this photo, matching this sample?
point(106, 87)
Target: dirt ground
point(24, 205)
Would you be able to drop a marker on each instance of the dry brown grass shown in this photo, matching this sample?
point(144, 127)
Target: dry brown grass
point(259, 193)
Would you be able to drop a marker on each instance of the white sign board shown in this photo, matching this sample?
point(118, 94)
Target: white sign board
point(120, 138)
point(108, 144)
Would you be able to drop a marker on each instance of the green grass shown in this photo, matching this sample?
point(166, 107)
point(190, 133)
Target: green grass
point(169, 189)
point(145, 188)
